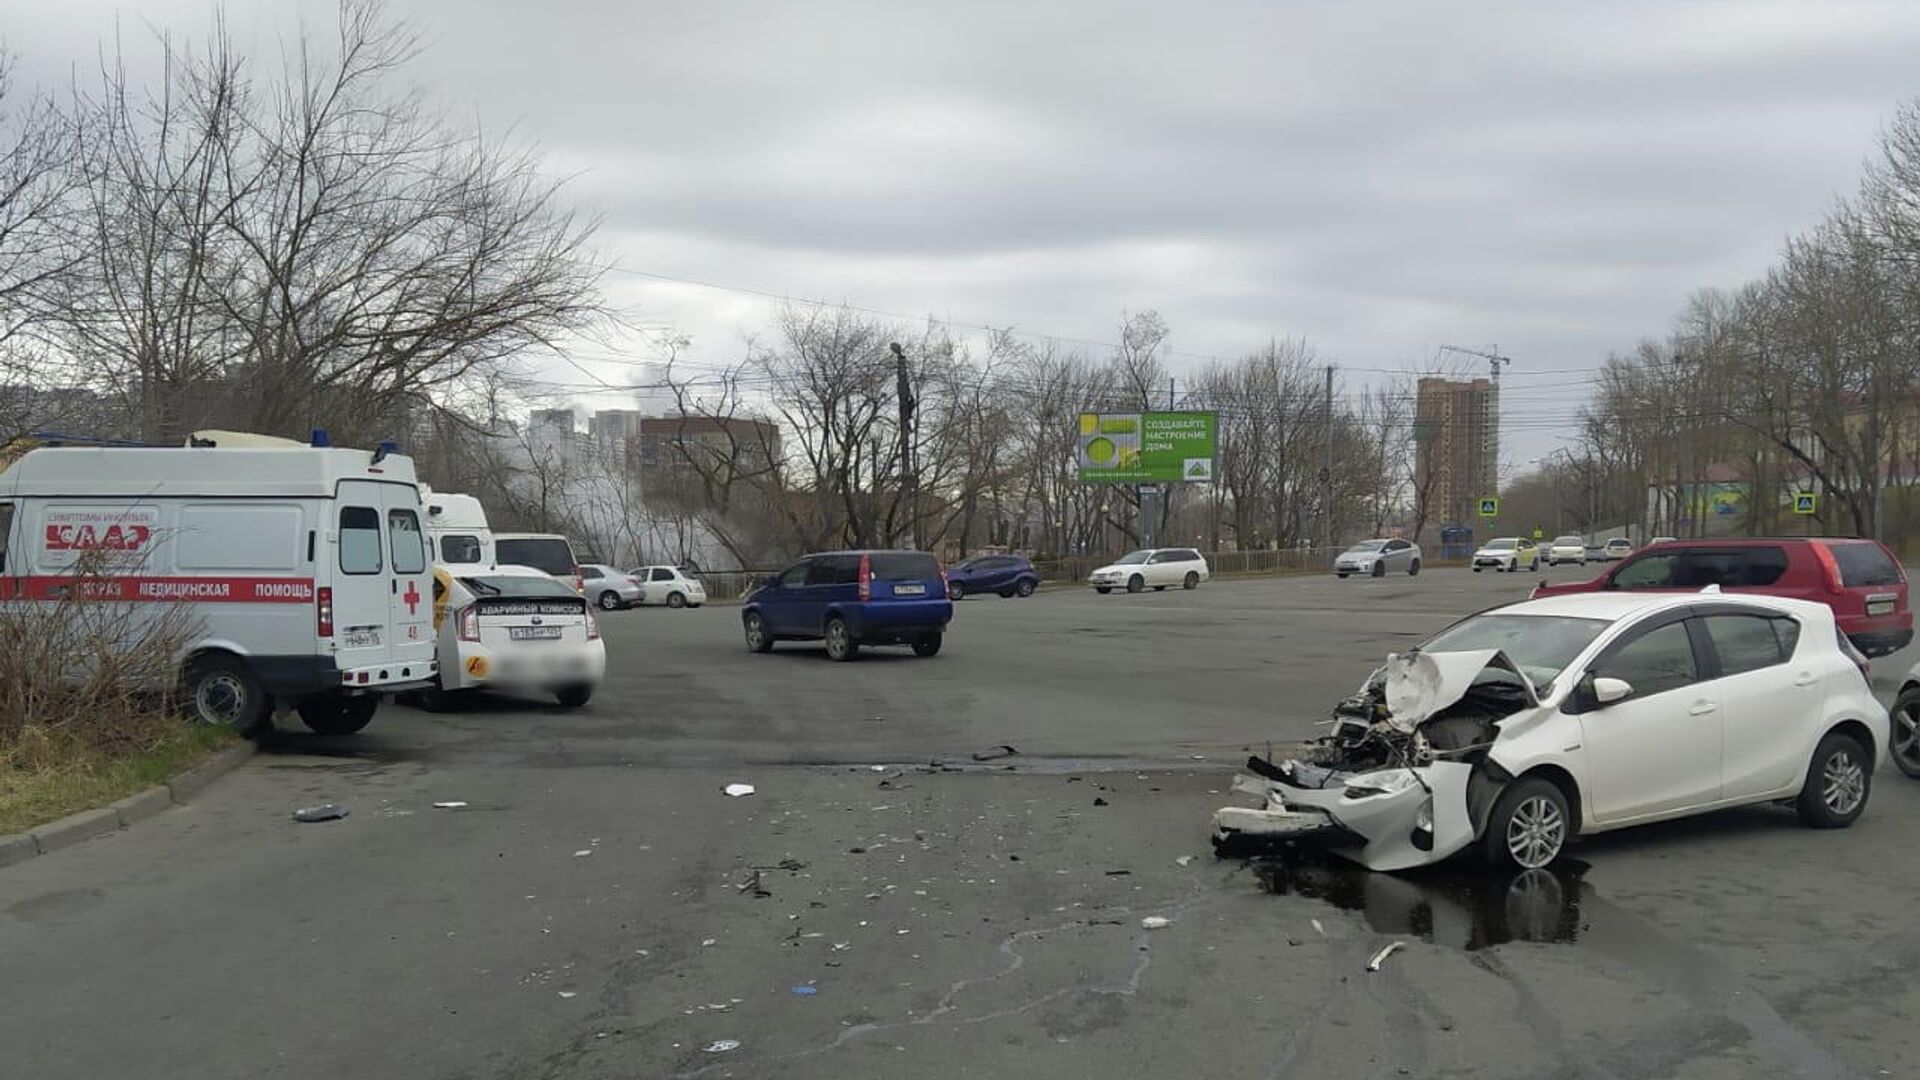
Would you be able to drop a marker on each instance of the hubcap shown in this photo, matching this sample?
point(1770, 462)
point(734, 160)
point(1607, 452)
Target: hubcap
point(1844, 783)
point(837, 637)
point(1906, 733)
point(220, 699)
point(754, 631)
point(1535, 832)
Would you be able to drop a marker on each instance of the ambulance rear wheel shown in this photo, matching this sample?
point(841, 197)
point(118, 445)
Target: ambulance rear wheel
point(222, 691)
point(337, 714)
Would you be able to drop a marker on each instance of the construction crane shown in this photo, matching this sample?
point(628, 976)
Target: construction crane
point(1490, 422)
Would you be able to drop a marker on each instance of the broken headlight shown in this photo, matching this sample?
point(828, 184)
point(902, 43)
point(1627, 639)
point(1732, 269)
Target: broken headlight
point(1384, 782)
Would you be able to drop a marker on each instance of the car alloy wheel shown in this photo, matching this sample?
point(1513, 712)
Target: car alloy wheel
point(840, 644)
point(956, 591)
point(1191, 581)
point(757, 638)
point(1536, 832)
point(609, 601)
point(1025, 587)
point(1843, 783)
point(1906, 731)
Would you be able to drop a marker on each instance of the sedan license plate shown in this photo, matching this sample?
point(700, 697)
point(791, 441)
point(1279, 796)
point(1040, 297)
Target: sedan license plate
point(909, 590)
point(359, 637)
point(1880, 605)
point(532, 633)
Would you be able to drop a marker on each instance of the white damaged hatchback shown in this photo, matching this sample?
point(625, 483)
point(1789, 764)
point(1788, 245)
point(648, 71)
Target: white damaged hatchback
point(1517, 729)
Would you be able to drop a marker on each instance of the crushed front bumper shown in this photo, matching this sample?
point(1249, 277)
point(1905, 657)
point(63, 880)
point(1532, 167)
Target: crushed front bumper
point(1417, 819)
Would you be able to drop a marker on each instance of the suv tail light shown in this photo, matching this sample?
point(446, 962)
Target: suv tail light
point(946, 587)
point(866, 577)
point(469, 623)
point(593, 627)
point(1836, 584)
point(323, 610)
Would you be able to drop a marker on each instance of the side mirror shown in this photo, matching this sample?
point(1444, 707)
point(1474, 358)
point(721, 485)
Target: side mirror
point(1606, 691)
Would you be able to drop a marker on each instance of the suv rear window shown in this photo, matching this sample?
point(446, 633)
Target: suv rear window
point(547, 555)
point(1864, 564)
point(904, 566)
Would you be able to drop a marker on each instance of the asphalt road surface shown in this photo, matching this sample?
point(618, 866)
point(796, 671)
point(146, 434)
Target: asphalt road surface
point(595, 910)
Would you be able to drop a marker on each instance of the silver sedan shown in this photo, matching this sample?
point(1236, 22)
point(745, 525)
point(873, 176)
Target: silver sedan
point(611, 587)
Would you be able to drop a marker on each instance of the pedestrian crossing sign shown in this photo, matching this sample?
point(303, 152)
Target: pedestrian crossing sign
point(1489, 508)
point(1806, 502)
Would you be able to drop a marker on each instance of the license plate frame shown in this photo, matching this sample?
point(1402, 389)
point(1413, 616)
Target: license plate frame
point(360, 637)
point(913, 589)
point(1881, 605)
point(533, 633)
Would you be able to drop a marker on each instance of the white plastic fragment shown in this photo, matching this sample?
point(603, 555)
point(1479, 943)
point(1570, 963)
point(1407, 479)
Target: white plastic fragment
point(1183, 860)
point(569, 994)
point(722, 1046)
point(1381, 956)
point(1317, 926)
point(1156, 922)
point(709, 941)
point(737, 790)
point(583, 853)
point(452, 805)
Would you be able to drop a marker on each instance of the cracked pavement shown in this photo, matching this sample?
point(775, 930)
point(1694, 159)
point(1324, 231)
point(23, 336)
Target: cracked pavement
point(593, 911)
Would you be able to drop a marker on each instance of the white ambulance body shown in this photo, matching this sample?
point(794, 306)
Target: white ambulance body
point(306, 567)
point(457, 530)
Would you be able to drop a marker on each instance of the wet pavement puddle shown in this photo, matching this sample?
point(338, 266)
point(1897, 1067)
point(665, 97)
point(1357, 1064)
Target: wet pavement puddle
point(1461, 906)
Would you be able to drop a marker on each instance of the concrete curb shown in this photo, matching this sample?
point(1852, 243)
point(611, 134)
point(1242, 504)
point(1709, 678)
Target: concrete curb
point(87, 824)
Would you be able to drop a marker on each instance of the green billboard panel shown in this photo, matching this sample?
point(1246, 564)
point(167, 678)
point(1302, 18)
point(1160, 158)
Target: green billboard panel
point(1146, 447)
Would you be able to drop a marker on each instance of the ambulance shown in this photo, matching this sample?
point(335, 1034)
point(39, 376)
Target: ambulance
point(457, 530)
point(305, 566)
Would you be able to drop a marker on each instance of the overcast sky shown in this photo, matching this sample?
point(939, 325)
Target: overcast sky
point(1376, 178)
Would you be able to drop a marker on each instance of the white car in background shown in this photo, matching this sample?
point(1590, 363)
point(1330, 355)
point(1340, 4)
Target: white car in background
point(611, 588)
point(1567, 549)
point(1519, 728)
point(1616, 549)
point(513, 628)
point(671, 586)
point(1155, 568)
point(1507, 553)
point(1378, 558)
point(1906, 725)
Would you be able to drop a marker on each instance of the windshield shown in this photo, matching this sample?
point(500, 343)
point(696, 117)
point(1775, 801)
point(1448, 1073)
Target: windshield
point(1540, 645)
point(1499, 545)
point(515, 586)
point(1132, 558)
point(1366, 547)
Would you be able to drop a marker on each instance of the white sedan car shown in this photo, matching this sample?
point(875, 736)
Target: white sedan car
point(1378, 558)
point(513, 628)
point(1567, 549)
point(1155, 568)
point(1508, 554)
point(1906, 725)
point(670, 585)
point(1517, 729)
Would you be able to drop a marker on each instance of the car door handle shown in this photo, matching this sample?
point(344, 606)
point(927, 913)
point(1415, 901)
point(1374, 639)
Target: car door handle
point(1702, 708)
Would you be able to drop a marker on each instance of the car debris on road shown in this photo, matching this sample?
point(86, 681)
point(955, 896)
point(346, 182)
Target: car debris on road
point(323, 812)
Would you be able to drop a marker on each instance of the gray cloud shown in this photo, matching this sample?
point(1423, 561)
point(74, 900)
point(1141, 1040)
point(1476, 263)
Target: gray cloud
point(1377, 177)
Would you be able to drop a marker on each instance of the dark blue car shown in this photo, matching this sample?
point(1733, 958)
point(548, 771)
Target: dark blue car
point(1008, 575)
point(849, 599)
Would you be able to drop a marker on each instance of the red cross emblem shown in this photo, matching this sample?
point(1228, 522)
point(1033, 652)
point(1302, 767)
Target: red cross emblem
point(412, 597)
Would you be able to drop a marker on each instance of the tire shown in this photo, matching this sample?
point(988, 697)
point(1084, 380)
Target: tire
point(840, 643)
point(1529, 826)
point(1159, 588)
point(1476, 568)
point(572, 697)
point(1103, 589)
point(1136, 583)
point(1342, 577)
point(1379, 569)
point(434, 699)
point(609, 601)
point(1191, 581)
point(928, 646)
point(956, 591)
point(1906, 731)
point(758, 640)
point(1024, 589)
point(222, 691)
point(1839, 779)
point(337, 714)
point(676, 599)
point(1413, 568)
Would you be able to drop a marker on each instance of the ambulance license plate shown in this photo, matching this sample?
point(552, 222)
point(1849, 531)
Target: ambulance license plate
point(359, 637)
point(532, 633)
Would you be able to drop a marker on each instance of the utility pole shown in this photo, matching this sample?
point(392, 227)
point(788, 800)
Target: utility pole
point(1326, 466)
point(909, 476)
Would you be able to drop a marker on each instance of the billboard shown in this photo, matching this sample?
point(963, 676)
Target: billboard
point(1146, 447)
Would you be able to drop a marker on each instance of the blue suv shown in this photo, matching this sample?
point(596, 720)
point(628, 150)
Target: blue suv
point(1008, 575)
point(850, 599)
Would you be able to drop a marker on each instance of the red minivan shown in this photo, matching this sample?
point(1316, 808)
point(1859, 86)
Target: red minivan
point(1859, 579)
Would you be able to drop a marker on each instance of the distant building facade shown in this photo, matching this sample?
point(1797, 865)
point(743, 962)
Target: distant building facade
point(1457, 447)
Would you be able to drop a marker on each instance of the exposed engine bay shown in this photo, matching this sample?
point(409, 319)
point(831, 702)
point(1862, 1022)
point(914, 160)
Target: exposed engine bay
point(1403, 777)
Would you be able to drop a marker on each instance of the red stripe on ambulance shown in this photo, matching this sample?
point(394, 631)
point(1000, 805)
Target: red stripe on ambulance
point(201, 590)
